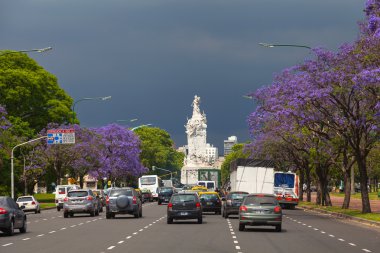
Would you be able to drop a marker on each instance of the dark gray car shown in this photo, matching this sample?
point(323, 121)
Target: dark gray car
point(80, 201)
point(123, 201)
point(11, 216)
point(232, 202)
point(184, 206)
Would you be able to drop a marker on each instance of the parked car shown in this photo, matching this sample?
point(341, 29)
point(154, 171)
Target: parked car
point(164, 194)
point(61, 192)
point(123, 201)
point(260, 210)
point(210, 202)
point(232, 202)
point(80, 201)
point(11, 216)
point(184, 206)
point(30, 204)
point(147, 195)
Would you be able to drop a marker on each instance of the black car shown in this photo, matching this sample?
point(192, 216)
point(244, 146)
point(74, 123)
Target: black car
point(164, 194)
point(11, 216)
point(184, 206)
point(123, 201)
point(232, 202)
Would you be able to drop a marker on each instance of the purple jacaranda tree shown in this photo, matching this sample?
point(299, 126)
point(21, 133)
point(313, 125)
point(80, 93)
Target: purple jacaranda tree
point(119, 153)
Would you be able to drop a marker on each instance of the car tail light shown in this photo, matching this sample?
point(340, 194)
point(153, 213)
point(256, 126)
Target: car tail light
point(277, 209)
point(170, 206)
point(66, 199)
point(134, 200)
point(3, 211)
point(90, 198)
point(33, 203)
point(279, 197)
point(198, 205)
point(229, 202)
point(107, 200)
point(243, 209)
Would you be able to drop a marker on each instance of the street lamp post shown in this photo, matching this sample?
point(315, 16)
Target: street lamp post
point(38, 50)
point(282, 45)
point(12, 174)
point(83, 99)
point(171, 173)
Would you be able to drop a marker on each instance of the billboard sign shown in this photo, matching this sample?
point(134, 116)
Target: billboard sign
point(61, 136)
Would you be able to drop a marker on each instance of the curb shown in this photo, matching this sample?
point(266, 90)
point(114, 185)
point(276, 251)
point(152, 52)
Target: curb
point(344, 216)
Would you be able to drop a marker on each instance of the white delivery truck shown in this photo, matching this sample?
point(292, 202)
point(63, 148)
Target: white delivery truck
point(252, 176)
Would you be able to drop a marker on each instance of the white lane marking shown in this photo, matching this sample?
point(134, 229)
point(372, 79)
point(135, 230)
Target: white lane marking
point(299, 222)
point(150, 224)
point(40, 235)
point(94, 219)
point(340, 239)
point(316, 229)
point(128, 237)
point(304, 224)
point(232, 233)
point(25, 239)
point(332, 235)
point(154, 222)
point(366, 250)
point(231, 230)
point(120, 242)
point(352, 244)
point(5, 245)
point(309, 226)
point(88, 221)
point(146, 226)
point(135, 233)
point(111, 247)
point(141, 230)
point(100, 218)
point(73, 226)
point(51, 232)
point(237, 247)
point(44, 219)
point(236, 242)
point(60, 216)
point(80, 224)
point(323, 232)
point(63, 228)
point(234, 237)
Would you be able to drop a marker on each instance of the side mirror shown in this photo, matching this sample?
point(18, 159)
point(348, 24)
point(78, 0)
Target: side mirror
point(223, 199)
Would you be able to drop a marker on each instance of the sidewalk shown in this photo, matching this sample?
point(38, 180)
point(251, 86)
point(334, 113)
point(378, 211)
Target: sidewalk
point(354, 203)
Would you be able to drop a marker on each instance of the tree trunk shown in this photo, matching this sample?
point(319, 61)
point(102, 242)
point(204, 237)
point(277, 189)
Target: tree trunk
point(366, 205)
point(308, 184)
point(324, 196)
point(300, 187)
point(81, 181)
point(347, 190)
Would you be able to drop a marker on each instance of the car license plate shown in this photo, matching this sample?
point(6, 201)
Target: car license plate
point(166, 199)
point(209, 203)
point(183, 213)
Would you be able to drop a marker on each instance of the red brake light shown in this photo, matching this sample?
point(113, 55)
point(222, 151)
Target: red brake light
point(3, 211)
point(198, 205)
point(33, 203)
point(243, 209)
point(107, 200)
point(134, 200)
point(277, 209)
point(170, 205)
point(90, 198)
point(65, 199)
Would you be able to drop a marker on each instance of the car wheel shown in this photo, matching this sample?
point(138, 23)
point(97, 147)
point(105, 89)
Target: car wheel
point(101, 210)
point(92, 213)
point(11, 229)
point(226, 215)
point(71, 215)
point(200, 220)
point(58, 208)
point(36, 211)
point(140, 213)
point(278, 228)
point(241, 227)
point(24, 227)
point(108, 215)
point(136, 214)
point(97, 212)
point(159, 202)
point(39, 210)
point(169, 221)
point(65, 214)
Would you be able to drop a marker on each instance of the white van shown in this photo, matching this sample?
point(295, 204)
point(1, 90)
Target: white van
point(60, 194)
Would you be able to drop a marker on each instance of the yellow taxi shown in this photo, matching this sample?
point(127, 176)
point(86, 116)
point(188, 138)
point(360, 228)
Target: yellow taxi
point(210, 202)
point(199, 189)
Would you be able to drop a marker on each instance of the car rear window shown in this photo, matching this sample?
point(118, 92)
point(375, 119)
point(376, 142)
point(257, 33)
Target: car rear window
point(3, 202)
point(61, 191)
point(77, 194)
point(260, 200)
point(24, 199)
point(116, 193)
point(209, 196)
point(166, 190)
point(238, 196)
point(184, 198)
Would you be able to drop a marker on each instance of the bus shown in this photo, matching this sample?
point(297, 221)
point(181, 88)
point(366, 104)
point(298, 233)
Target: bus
point(151, 182)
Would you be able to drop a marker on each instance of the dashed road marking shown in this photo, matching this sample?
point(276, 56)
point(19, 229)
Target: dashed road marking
point(120, 242)
point(340, 239)
point(237, 247)
point(8, 244)
point(40, 235)
point(128, 237)
point(352, 244)
point(25, 239)
point(51, 232)
point(111, 247)
point(332, 235)
point(366, 250)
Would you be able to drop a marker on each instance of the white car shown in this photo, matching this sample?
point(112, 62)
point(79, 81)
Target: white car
point(30, 204)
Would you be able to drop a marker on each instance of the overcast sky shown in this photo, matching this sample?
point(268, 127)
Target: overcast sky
point(153, 56)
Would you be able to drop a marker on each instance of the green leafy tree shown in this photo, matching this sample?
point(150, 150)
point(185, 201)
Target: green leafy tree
point(30, 93)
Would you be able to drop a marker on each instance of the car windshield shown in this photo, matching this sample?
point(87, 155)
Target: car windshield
point(119, 192)
point(209, 196)
point(24, 199)
point(77, 194)
point(259, 201)
point(184, 198)
point(166, 190)
point(148, 180)
point(238, 196)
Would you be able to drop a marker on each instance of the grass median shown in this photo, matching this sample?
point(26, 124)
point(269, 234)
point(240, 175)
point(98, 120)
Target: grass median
point(372, 195)
point(349, 212)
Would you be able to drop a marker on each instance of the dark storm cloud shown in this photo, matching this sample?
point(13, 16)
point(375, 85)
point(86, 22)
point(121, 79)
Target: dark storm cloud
point(153, 56)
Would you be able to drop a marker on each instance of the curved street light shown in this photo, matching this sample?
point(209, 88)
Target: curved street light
point(282, 45)
point(83, 99)
point(145, 125)
point(38, 50)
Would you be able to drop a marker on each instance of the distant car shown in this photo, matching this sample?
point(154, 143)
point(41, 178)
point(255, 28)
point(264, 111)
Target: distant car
point(232, 202)
point(184, 206)
point(123, 201)
point(260, 210)
point(61, 192)
point(30, 204)
point(80, 201)
point(11, 216)
point(164, 194)
point(147, 195)
point(101, 195)
point(210, 202)
point(139, 194)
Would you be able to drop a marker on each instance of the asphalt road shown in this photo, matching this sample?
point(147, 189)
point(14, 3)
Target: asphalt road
point(303, 231)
